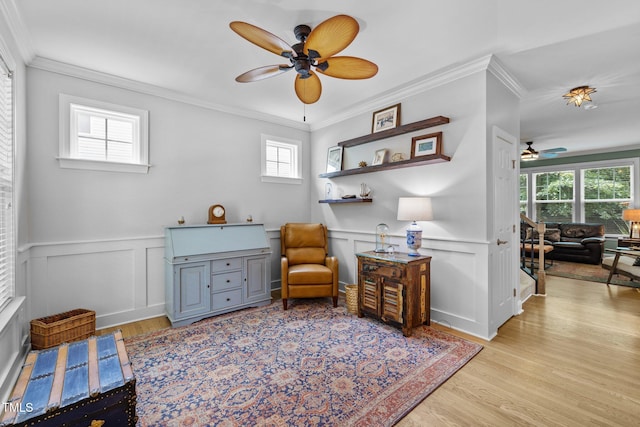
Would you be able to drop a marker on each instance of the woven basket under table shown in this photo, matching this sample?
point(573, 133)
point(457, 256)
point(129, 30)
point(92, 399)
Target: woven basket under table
point(351, 292)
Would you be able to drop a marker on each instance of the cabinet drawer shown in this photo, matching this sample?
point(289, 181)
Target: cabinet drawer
point(228, 264)
point(226, 280)
point(385, 270)
point(226, 299)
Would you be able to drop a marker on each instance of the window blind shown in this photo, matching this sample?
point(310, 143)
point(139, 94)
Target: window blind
point(6, 186)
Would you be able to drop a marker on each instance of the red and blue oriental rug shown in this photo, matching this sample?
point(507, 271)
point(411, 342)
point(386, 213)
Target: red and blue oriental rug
point(311, 365)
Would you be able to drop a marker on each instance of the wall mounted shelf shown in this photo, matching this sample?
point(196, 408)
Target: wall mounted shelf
point(418, 161)
point(400, 130)
point(356, 200)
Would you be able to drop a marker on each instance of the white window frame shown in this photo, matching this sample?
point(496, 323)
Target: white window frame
point(577, 168)
point(7, 219)
point(70, 105)
point(296, 163)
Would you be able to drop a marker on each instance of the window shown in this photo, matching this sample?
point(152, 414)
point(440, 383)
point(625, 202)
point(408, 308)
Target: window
point(524, 193)
point(607, 192)
point(6, 187)
point(101, 136)
point(280, 160)
point(554, 196)
point(585, 192)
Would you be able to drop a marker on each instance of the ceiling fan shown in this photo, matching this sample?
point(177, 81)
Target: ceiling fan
point(314, 52)
point(530, 153)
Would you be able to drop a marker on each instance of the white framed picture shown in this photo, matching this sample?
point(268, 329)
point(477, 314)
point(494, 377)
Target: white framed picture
point(380, 157)
point(334, 159)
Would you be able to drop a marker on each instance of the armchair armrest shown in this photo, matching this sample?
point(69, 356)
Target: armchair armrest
point(332, 263)
point(587, 240)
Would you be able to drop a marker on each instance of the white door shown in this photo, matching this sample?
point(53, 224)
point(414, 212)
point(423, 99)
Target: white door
point(504, 261)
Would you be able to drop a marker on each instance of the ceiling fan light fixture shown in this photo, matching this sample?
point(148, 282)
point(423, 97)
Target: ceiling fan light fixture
point(578, 95)
point(314, 52)
point(529, 153)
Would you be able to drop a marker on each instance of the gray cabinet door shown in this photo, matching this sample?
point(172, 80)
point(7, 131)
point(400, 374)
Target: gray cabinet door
point(194, 295)
point(257, 278)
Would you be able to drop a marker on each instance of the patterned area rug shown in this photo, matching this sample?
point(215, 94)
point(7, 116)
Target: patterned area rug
point(588, 272)
point(310, 365)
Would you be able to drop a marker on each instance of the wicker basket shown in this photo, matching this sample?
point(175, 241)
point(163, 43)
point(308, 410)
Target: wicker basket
point(352, 298)
point(69, 326)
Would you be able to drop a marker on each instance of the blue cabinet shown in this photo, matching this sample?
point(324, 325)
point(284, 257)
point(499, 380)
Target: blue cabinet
point(215, 269)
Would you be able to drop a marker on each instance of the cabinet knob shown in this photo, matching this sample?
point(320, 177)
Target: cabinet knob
point(228, 280)
point(228, 299)
point(228, 264)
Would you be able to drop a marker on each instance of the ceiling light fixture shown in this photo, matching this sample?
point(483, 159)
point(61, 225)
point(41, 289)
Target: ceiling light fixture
point(529, 153)
point(578, 95)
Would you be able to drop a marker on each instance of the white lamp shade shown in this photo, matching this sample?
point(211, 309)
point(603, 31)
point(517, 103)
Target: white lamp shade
point(414, 209)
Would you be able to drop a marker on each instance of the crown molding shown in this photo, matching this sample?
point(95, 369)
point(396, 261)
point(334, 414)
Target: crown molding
point(497, 68)
point(53, 66)
point(424, 84)
point(18, 30)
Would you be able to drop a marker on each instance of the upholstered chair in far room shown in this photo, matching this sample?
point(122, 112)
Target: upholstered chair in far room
point(307, 269)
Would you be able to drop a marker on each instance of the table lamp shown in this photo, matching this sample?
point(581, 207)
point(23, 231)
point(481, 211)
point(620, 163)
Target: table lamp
point(632, 215)
point(414, 209)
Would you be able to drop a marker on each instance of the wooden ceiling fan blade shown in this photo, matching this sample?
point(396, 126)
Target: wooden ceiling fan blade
point(262, 38)
point(309, 89)
point(348, 67)
point(262, 73)
point(331, 36)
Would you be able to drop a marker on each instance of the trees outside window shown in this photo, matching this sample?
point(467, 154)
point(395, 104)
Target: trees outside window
point(596, 193)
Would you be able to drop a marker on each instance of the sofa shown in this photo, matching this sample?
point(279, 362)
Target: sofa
point(572, 241)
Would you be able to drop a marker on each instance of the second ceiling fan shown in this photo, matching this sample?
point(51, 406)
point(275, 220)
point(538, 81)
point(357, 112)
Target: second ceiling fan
point(313, 54)
point(530, 153)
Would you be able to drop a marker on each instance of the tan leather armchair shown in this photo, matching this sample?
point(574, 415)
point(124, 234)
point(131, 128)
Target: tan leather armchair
point(307, 270)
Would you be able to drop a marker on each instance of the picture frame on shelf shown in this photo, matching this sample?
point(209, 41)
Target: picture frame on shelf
point(334, 159)
point(387, 118)
point(426, 145)
point(380, 157)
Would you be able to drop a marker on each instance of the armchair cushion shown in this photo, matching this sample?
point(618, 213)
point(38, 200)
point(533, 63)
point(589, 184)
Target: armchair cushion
point(305, 274)
point(305, 256)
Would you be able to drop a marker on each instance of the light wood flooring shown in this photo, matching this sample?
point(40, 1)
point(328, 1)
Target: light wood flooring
point(572, 358)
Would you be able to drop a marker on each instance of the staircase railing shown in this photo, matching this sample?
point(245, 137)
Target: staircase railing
point(528, 254)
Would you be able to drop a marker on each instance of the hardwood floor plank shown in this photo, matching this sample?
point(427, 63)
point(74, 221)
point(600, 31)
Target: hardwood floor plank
point(572, 358)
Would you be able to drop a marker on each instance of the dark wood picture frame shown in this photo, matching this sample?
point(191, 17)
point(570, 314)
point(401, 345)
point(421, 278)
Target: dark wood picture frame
point(387, 118)
point(426, 145)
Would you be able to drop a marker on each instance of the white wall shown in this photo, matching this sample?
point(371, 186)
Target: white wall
point(96, 238)
point(14, 320)
point(458, 237)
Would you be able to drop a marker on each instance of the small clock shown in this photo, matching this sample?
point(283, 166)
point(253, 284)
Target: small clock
point(216, 215)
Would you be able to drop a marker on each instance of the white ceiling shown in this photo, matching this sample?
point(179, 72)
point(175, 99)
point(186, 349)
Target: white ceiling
point(187, 47)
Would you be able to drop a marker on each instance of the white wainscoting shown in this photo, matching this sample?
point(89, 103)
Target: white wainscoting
point(459, 277)
point(14, 343)
point(123, 280)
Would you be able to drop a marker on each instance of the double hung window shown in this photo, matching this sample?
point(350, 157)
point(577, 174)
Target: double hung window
point(7, 226)
point(595, 192)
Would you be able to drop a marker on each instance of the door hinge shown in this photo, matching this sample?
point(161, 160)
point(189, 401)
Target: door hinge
point(514, 228)
point(514, 292)
point(513, 164)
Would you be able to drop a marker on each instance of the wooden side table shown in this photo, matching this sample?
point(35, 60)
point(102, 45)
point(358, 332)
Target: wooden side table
point(627, 242)
point(395, 288)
